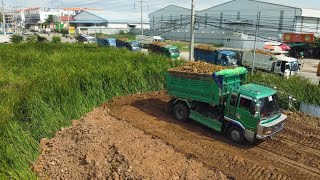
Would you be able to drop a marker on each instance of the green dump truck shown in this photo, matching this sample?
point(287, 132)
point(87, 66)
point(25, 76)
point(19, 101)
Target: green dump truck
point(167, 50)
point(222, 101)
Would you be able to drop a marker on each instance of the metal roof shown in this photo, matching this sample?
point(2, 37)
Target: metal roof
point(97, 22)
point(310, 13)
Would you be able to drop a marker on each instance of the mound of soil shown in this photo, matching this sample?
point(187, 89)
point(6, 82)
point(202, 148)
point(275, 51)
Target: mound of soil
point(159, 43)
point(205, 47)
point(259, 51)
point(123, 39)
point(198, 67)
point(100, 146)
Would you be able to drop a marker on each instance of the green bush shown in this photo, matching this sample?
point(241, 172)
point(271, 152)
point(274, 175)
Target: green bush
point(296, 86)
point(31, 38)
point(56, 39)
point(16, 38)
point(43, 87)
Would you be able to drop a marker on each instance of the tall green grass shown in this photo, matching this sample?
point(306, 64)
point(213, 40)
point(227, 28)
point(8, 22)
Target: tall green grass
point(44, 86)
point(296, 86)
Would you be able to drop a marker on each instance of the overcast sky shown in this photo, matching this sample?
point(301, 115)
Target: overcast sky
point(126, 10)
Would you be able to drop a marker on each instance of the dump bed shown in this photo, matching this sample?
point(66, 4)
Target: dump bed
point(263, 61)
point(207, 88)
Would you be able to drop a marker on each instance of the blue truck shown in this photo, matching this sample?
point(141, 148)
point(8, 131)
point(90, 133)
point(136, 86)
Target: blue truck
point(107, 41)
point(220, 57)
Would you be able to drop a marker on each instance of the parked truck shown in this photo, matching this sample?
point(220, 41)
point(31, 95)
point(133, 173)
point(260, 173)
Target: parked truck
point(220, 57)
point(107, 42)
point(130, 45)
point(34, 28)
point(147, 40)
point(276, 62)
point(121, 43)
point(167, 50)
point(224, 102)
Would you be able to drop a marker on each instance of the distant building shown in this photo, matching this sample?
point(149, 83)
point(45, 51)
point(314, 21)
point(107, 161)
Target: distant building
point(234, 23)
point(90, 22)
point(36, 16)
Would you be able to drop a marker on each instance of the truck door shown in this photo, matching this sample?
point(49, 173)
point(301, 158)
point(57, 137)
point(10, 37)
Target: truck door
point(246, 111)
point(277, 68)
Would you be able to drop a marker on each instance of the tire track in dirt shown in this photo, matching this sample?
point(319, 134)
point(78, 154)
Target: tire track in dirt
point(302, 167)
point(204, 150)
point(146, 111)
point(292, 153)
point(300, 138)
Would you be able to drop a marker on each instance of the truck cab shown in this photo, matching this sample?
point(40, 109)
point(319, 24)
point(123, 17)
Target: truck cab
point(226, 58)
point(157, 39)
point(255, 111)
point(286, 66)
point(133, 46)
point(172, 51)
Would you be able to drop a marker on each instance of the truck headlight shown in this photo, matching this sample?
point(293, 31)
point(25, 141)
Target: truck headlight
point(267, 130)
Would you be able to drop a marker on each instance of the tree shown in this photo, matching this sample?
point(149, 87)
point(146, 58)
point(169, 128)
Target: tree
point(316, 43)
point(49, 20)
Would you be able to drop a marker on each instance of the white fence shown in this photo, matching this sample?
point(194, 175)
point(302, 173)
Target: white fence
point(309, 109)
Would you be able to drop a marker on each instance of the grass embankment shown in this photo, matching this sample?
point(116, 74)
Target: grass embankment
point(296, 86)
point(44, 86)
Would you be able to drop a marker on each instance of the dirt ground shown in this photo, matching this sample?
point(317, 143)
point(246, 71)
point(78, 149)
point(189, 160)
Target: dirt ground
point(133, 137)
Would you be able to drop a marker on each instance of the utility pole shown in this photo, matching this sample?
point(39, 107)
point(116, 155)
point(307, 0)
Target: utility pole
point(255, 38)
point(3, 19)
point(191, 52)
point(141, 13)
point(141, 18)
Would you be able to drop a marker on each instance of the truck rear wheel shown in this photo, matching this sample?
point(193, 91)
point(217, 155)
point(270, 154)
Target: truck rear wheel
point(236, 135)
point(181, 112)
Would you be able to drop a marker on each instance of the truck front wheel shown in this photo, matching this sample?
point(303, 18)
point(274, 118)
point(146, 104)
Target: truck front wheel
point(236, 135)
point(181, 112)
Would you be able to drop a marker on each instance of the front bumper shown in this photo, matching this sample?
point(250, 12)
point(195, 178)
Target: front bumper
point(271, 128)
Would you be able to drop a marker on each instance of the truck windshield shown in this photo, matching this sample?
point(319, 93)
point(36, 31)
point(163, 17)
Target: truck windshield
point(135, 44)
point(90, 39)
point(294, 66)
point(232, 59)
point(269, 106)
point(174, 51)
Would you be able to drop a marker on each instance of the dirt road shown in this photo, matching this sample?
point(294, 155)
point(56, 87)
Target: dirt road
point(100, 146)
point(292, 154)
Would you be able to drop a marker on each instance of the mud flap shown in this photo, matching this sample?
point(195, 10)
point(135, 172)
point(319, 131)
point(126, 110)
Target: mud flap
point(169, 106)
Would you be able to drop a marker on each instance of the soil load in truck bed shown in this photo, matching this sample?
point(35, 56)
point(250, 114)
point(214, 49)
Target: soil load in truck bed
point(198, 67)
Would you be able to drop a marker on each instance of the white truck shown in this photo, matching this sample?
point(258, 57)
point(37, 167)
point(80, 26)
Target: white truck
point(146, 40)
point(34, 28)
point(276, 62)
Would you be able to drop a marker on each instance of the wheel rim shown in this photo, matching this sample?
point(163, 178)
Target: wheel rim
point(180, 113)
point(235, 135)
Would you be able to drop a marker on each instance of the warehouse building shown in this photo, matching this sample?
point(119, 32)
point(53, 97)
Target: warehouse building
point(234, 23)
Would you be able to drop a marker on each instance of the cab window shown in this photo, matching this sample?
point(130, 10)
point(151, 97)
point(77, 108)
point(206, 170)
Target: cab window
point(247, 105)
point(233, 100)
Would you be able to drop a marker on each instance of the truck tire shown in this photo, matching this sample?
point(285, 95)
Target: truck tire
point(181, 112)
point(236, 135)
